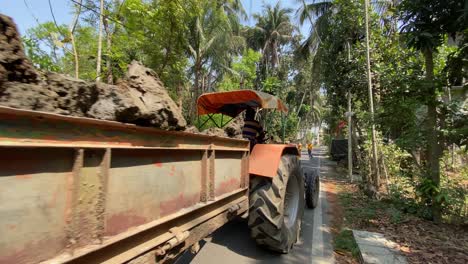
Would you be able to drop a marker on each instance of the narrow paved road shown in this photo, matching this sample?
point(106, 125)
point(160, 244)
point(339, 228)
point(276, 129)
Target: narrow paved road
point(232, 243)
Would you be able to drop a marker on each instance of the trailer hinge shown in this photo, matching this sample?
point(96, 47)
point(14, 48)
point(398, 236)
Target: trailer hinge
point(234, 208)
point(179, 237)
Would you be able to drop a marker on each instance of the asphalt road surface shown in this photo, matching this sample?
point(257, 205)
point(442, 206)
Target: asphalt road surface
point(232, 244)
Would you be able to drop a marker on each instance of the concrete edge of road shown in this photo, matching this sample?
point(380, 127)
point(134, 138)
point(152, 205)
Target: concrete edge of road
point(321, 234)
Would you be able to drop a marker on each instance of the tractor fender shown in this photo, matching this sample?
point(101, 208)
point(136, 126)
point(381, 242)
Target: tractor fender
point(265, 158)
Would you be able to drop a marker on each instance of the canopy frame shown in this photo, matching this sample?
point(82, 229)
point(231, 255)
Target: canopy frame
point(233, 103)
point(210, 117)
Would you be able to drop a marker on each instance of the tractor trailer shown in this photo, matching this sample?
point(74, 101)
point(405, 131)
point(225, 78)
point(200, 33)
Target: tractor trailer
point(81, 190)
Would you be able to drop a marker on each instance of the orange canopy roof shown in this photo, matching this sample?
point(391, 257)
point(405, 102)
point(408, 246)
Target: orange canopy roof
point(234, 102)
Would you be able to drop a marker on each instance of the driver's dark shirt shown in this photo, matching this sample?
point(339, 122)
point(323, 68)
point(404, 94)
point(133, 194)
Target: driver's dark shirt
point(251, 129)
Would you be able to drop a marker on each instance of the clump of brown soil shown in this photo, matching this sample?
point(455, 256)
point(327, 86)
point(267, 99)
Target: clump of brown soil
point(234, 128)
point(140, 98)
point(14, 66)
point(214, 131)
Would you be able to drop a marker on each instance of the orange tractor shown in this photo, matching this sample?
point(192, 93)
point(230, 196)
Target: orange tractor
point(81, 190)
point(276, 177)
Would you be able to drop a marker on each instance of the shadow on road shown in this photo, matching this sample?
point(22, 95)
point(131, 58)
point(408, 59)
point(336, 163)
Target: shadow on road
point(233, 239)
point(232, 242)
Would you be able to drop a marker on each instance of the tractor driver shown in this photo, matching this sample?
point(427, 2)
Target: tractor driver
point(252, 129)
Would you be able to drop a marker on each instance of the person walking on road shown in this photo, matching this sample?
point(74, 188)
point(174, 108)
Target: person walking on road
point(309, 149)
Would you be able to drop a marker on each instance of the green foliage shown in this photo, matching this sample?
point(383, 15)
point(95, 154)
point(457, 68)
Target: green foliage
point(344, 241)
point(276, 122)
point(229, 83)
point(359, 209)
point(246, 67)
point(411, 194)
point(428, 21)
point(453, 196)
point(194, 46)
point(46, 44)
point(309, 137)
point(86, 45)
point(403, 92)
point(155, 33)
point(396, 216)
point(39, 58)
point(243, 73)
point(272, 85)
point(272, 30)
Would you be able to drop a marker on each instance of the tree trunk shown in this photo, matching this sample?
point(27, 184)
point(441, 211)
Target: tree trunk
point(356, 149)
point(196, 88)
point(318, 132)
point(110, 76)
point(433, 146)
point(376, 172)
point(75, 55)
point(72, 38)
point(98, 63)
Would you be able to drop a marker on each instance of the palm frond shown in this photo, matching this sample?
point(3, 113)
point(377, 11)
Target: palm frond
point(192, 50)
point(313, 10)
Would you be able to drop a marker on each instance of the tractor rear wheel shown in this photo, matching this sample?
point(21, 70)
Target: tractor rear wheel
point(312, 189)
point(277, 206)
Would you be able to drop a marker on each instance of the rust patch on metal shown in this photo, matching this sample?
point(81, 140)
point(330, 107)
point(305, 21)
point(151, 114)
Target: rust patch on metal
point(203, 230)
point(72, 218)
point(87, 214)
point(227, 186)
point(53, 129)
point(101, 205)
point(244, 170)
point(178, 203)
point(120, 222)
point(53, 201)
point(204, 177)
point(172, 170)
point(211, 178)
point(32, 252)
point(68, 212)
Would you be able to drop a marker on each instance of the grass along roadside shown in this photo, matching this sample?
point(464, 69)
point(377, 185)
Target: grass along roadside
point(345, 248)
point(421, 241)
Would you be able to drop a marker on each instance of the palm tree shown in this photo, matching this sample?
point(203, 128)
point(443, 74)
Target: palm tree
point(234, 8)
point(318, 14)
point(273, 28)
point(213, 42)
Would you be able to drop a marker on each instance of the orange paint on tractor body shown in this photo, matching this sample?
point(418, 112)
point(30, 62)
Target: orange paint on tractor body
point(265, 158)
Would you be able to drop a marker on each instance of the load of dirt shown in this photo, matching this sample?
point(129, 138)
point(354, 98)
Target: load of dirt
point(234, 128)
point(14, 66)
point(214, 131)
point(140, 98)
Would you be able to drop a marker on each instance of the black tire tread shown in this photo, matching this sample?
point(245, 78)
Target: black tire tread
point(311, 197)
point(266, 206)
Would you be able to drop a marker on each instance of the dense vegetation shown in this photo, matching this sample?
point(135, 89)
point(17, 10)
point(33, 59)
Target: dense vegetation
point(418, 61)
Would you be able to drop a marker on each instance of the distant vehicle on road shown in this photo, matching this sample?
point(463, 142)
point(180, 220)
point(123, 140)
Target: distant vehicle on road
point(339, 149)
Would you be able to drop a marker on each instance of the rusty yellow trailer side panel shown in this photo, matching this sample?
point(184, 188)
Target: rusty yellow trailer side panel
point(83, 190)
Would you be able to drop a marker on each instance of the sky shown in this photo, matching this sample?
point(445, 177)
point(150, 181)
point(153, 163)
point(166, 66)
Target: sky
point(27, 13)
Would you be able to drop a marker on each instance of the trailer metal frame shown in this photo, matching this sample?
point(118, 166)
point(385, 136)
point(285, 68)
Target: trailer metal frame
point(80, 190)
